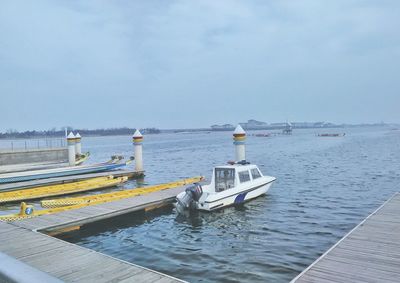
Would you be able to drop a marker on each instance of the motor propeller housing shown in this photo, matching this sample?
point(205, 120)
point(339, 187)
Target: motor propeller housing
point(187, 200)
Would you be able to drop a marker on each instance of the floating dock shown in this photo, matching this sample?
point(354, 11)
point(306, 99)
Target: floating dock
point(69, 262)
point(89, 214)
point(56, 206)
point(368, 253)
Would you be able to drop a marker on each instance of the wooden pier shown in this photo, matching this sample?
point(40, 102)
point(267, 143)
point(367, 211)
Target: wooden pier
point(68, 262)
point(368, 253)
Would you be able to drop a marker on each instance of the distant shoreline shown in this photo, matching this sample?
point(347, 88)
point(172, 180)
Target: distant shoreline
point(129, 131)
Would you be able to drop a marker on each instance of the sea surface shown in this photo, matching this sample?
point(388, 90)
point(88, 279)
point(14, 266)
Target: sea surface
point(325, 186)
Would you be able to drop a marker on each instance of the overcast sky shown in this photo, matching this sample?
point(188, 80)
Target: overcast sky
point(175, 64)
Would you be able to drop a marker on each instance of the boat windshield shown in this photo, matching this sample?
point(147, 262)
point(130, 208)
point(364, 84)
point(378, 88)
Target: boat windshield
point(224, 179)
point(255, 173)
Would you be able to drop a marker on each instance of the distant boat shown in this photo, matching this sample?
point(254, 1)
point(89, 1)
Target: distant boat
point(331, 135)
point(288, 129)
point(262, 135)
point(82, 158)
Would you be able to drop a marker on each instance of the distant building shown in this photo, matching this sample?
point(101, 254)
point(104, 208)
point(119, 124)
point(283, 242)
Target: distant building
point(225, 127)
point(319, 125)
point(150, 131)
point(286, 127)
point(277, 125)
point(303, 125)
point(254, 125)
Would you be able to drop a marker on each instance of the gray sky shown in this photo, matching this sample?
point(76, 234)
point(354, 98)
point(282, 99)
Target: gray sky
point(195, 63)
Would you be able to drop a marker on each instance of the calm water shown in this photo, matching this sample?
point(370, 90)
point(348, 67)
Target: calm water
point(325, 186)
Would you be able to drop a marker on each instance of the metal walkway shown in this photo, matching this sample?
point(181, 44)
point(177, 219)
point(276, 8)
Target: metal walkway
point(368, 253)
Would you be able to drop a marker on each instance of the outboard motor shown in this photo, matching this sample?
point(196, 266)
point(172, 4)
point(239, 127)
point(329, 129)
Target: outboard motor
point(186, 200)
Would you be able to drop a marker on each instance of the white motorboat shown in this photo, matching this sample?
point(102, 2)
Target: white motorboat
point(230, 184)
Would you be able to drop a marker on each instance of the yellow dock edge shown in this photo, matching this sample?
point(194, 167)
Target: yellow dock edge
point(64, 230)
point(54, 203)
point(27, 211)
point(61, 189)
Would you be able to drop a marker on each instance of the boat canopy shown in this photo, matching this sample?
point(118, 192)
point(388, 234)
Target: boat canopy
point(229, 176)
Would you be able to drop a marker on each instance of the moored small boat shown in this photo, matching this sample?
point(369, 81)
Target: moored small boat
point(80, 158)
point(262, 135)
point(59, 172)
point(231, 184)
point(332, 135)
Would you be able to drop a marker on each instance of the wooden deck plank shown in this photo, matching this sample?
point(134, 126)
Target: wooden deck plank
point(87, 267)
point(112, 273)
point(377, 264)
point(375, 252)
point(364, 263)
point(6, 229)
point(368, 253)
point(70, 262)
point(82, 269)
point(34, 248)
point(327, 275)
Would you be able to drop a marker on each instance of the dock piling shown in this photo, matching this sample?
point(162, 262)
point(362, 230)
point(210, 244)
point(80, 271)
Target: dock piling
point(71, 149)
point(78, 144)
point(239, 137)
point(137, 139)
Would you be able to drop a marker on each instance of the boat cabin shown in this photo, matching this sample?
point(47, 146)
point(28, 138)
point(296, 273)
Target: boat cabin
point(231, 176)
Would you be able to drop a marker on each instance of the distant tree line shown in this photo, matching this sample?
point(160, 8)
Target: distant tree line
point(11, 133)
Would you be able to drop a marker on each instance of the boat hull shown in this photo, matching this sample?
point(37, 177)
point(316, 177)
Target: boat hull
point(236, 198)
point(51, 173)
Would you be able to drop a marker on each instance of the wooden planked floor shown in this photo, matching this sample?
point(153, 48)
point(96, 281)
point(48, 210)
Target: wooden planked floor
point(94, 213)
point(69, 262)
point(369, 253)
